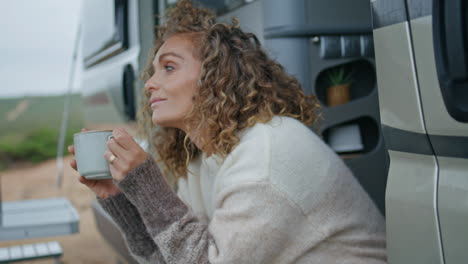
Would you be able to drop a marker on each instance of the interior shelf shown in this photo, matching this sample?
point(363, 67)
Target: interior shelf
point(362, 75)
point(353, 138)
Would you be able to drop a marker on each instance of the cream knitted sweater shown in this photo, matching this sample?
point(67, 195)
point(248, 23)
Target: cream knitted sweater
point(281, 196)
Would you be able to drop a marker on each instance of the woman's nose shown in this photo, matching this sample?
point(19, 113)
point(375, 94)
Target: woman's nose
point(151, 84)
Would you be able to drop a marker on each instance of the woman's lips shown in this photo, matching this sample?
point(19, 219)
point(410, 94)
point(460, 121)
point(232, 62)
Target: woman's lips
point(156, 101)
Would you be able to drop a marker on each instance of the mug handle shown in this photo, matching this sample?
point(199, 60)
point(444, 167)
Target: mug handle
point(110, 137)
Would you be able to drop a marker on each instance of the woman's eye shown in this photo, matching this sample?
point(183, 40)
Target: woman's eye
point(168, 68)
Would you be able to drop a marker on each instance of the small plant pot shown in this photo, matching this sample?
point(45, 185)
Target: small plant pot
point(338, 94)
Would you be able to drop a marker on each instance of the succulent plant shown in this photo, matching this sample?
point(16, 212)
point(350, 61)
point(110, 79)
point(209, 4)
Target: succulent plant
point(339, 76)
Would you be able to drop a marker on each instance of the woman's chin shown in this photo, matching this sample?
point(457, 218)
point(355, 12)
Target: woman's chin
point(161, 122)
point(158, 122)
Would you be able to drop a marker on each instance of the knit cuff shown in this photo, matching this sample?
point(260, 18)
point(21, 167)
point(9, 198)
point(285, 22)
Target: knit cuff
point(131, 225)
point(121, 210)
point(158, 205)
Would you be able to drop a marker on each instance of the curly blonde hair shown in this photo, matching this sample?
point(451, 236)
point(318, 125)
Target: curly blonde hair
point(239, 86)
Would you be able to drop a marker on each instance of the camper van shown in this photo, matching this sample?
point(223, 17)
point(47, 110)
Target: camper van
point(403, 133)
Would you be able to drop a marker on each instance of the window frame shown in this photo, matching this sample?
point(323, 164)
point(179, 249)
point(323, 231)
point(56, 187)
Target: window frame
point(120, 41)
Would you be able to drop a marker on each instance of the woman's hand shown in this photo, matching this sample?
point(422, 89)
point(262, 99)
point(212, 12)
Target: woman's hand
point(124, 154)
point(102, 188)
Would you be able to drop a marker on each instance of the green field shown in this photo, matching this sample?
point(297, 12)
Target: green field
point(30, 126)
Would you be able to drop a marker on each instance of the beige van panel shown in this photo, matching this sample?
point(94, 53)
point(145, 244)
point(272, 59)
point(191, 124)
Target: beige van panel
point(453, 208)
point(397, 86)
point(438, 120)
point(411, 217)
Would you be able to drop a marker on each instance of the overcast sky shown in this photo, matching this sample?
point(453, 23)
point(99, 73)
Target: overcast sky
point(36, 47)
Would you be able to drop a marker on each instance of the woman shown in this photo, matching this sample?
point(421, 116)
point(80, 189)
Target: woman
point(255, 184)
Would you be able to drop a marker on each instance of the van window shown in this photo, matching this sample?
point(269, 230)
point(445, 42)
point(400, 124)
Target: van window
point(105, 31)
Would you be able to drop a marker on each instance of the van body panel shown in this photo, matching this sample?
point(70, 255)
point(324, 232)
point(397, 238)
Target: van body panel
point(386, 13)
point(411, 218)
point(397, 84)
point(419, 8)
point(146, 33)
point(101, 87)
point(447, 141)
point(448, 137)
point(438, 120)
point(453, 208)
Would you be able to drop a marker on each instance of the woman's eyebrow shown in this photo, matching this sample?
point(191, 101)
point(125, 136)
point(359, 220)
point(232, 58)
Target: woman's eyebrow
point(170, 54)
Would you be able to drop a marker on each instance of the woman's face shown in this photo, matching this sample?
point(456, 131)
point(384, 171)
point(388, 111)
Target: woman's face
point(174, 82)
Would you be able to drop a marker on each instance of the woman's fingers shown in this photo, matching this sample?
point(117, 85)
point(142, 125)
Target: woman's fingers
point(118, 167)
point(124, 139)
point(123, 154)
point(116, 163)
point(111, 157)
point(73, 164)
point(82, 179)
point(116, 149)
point(89, 183)
point(71, 149)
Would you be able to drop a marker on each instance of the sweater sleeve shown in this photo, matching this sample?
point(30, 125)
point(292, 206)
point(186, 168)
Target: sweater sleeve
point(250, 223)
point(127, 218)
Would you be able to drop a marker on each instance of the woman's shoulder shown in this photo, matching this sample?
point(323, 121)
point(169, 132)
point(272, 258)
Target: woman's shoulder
point(278, 124)
point(281, 149)
point(300, 164)
point(282, 139)
point(283, 133)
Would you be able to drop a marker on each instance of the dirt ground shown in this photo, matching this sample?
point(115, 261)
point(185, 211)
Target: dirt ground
point(39, 181)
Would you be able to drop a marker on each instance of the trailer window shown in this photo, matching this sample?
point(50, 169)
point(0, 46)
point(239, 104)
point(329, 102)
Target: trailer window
point(105, 29)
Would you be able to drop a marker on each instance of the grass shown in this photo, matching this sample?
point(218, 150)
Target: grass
point(33, 136)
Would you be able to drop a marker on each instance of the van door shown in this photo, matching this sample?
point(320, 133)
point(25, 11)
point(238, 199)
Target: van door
point(440, 42)
point(412, 220)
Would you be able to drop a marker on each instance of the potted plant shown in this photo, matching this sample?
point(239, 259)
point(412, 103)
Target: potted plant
point(338, 91)
point(342, 138)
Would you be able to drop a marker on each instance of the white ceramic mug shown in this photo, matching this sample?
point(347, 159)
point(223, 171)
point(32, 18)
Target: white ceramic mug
point(90, 147)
